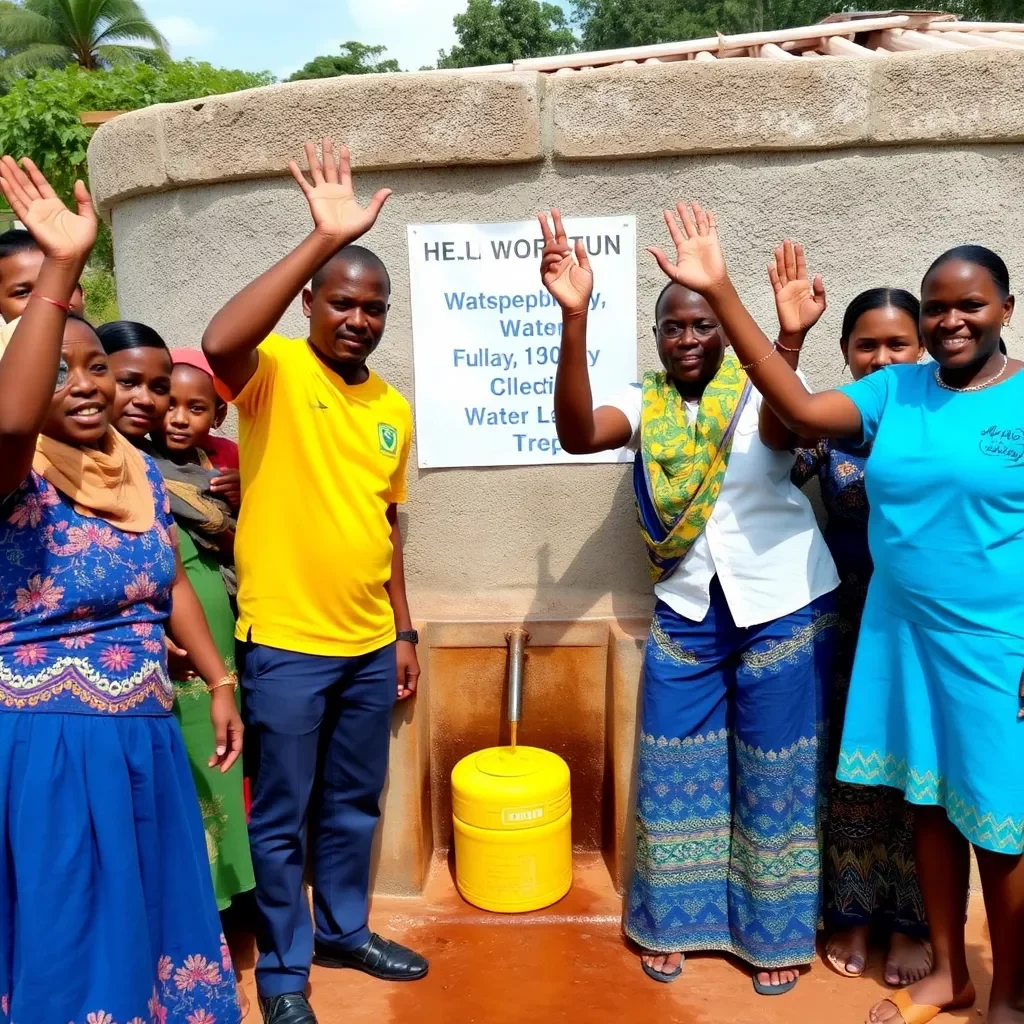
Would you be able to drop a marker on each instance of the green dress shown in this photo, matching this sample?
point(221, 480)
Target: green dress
point(220, 795)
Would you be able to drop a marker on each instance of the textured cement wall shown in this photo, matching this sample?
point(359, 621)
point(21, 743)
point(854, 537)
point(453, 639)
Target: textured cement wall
point(562, 539)
point(877, 166)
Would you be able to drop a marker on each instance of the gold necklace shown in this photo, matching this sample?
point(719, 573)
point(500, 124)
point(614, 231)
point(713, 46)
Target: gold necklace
point(974, 387)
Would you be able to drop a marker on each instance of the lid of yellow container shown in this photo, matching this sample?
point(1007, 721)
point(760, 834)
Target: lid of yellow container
point(499, 789)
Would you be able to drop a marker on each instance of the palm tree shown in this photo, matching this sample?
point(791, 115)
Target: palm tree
point(91, 33)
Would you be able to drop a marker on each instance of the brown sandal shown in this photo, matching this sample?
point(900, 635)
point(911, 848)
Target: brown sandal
point(921, 1013)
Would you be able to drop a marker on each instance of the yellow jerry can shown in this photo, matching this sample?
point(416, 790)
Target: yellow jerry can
point(513, 828)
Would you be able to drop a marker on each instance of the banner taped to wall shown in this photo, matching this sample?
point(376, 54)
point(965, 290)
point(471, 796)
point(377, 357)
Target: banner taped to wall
point(487, 338)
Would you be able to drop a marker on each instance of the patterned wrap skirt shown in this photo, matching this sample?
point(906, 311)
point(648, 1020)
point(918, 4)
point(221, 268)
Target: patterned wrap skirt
point(730, 784)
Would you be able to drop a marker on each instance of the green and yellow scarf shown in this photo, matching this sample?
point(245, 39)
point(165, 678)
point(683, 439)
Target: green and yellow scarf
point(679, 469)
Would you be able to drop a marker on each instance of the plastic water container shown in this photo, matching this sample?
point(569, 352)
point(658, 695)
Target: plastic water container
point(513, 828)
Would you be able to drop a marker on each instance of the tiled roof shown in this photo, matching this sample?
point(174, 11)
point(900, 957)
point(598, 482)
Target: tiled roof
point(871, 35)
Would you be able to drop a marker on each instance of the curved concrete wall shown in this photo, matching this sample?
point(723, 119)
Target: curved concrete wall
point(877, 165)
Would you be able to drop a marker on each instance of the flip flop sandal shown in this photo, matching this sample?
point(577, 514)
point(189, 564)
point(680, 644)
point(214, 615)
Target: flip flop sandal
point(841, 969)
point(773, 990)
point(661, 976)
point(921, 1013)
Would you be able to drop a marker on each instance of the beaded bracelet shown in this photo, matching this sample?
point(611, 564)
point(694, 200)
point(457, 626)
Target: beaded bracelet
point(786, 348)
point(758, 362)
point(52, 302)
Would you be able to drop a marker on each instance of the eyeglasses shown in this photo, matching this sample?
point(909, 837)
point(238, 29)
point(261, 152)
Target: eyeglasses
point(62, 376)
point(672, 331)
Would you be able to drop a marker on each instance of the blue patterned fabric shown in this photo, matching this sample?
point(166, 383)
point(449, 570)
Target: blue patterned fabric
point(729, 781)
point(82, 607)
point(870, 873)
point(107, 913)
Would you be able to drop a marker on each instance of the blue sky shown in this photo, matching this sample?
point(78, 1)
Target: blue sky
point(281, 35)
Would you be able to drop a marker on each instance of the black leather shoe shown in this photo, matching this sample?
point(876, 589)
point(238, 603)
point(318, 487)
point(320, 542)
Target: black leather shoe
point(291, 1008)
point(378, 957)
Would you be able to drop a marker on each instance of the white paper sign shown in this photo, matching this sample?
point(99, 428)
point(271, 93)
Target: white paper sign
point(486, 338)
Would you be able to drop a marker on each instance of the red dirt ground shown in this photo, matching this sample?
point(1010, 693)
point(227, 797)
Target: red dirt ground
point(570, 964)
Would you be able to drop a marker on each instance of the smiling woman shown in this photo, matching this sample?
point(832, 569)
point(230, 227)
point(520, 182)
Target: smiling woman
point(141, 365)
point(92, 580)
point(938, 663)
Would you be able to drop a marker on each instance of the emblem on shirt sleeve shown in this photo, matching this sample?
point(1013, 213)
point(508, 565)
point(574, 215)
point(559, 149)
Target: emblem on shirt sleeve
point(387, 435)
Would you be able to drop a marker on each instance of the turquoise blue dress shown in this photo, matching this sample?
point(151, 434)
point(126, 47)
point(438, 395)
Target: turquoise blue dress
point(107, 913)
point(933, 704)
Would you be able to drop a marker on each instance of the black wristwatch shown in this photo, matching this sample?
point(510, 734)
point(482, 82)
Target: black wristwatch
point(409, 636)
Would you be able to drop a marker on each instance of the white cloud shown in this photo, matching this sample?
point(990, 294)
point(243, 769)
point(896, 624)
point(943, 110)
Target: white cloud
point(183, 33)
point(412, 30)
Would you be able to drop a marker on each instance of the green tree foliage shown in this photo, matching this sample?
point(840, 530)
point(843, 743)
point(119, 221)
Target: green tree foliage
point(500, 31)
point(90, 33)
point(40, 116)
point(100, 296)
point(608, 24)
point(354, 59)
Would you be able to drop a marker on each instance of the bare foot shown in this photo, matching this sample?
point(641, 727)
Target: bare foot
point(1004, 1015)
point(776, 978)
point(847, 951)
point(934, 990)
point(663, 963)
point(243, 1001)
point(909, 960)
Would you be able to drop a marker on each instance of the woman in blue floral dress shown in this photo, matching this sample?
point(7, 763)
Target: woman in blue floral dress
point(107, 913)
point(870, 874)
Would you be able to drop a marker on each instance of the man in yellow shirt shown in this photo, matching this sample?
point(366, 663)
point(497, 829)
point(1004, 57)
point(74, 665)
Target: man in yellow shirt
point(324, 627)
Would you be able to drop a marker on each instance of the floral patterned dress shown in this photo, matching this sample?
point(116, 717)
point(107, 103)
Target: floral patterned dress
point(870, 877)
point(107, 913)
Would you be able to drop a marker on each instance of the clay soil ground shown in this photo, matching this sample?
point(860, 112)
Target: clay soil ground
point(570, 964)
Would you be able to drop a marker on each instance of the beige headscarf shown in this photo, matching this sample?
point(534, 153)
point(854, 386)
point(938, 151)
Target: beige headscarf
point(107, 482)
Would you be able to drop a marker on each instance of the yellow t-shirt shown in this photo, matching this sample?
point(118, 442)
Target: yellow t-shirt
point(321, 461)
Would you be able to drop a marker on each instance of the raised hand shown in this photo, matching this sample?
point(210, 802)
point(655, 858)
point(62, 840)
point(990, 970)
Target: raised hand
point(62, 235)
point(699, 263)
point(332, 201)
point(567, 276)
point(798, 300)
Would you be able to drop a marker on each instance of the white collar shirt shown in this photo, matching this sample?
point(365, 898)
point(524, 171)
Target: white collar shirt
point(762, 540)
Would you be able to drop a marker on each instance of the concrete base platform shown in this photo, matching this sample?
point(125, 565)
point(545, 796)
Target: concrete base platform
point(570, 964)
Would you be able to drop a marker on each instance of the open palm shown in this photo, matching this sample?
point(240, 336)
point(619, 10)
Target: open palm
point(565, 270)
point(61, 234)
point(799, 301)
point(331, 197)
point(699, 263)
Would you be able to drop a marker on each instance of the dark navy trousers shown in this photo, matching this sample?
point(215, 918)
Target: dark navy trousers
point(317, 735)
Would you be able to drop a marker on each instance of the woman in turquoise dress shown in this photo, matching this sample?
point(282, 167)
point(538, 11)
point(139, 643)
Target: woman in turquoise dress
point(935, 707)
point(870, 875)
point(107, 912)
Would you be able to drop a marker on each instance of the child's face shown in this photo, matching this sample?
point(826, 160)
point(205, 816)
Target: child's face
point(194, 409)
point(143, 377)
point(18, 275)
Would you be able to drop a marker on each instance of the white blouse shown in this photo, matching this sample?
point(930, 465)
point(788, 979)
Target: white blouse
point(762, 540)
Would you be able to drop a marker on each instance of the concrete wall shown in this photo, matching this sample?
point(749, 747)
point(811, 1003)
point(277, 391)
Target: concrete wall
point(876, 165)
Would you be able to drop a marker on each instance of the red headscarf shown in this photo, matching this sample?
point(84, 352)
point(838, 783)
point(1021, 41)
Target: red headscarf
point(194, 357)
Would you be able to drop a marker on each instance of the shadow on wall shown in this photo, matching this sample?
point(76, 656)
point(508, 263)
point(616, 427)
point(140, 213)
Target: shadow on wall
point(575, 586)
